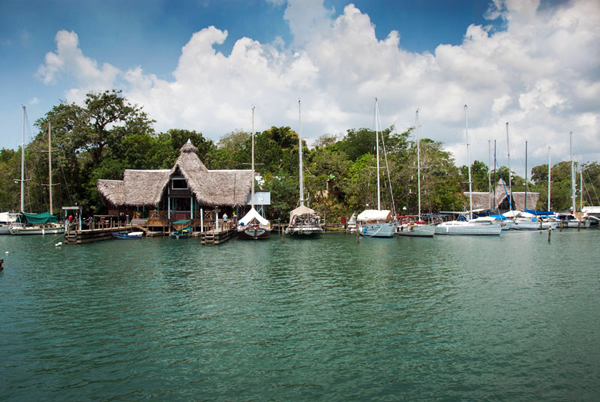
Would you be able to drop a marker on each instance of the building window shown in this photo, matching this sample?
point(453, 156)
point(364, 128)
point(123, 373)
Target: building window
point(179, 184)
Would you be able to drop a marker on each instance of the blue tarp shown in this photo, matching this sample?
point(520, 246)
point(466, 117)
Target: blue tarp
point(499, 217)
point(539, 212)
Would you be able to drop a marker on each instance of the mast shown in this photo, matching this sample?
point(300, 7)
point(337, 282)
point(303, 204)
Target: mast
point(377, 146)
point(549, 177)
point(490, 174)
point(581, 188)
point(252, 199)
point(418, 163)
point(50, 164)
point(573, 198)
point(23, 162)
point(495, 164)
point(469, 165)
point(300, 153)
point(510, 200)
point(525, 174)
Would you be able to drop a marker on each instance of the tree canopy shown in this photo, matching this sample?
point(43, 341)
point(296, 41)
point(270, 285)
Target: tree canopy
point(106, 135)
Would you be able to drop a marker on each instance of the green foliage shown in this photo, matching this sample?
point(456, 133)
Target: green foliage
point(107, 135)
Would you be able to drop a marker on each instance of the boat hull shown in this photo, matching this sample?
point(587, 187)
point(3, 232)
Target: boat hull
point(253, 233)
point(304, 231)
point(416, 231)
point(382, 230)
point(32, 230)
point(459, 228)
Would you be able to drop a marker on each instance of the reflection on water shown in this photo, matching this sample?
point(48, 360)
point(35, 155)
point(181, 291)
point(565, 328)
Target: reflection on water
point(328, 319)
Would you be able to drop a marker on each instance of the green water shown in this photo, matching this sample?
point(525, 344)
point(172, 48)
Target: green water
point(450, 318)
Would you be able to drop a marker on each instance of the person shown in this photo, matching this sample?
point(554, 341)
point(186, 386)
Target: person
point(225, 217)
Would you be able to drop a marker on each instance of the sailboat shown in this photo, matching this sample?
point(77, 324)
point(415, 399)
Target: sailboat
point(377, 223)
point(304, 222)
point(575, 219)
point(253, 226)
point(417, 228)
point(481, 226)
point(35, 224)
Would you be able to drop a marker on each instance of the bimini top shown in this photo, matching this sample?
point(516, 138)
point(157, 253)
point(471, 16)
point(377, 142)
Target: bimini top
point(301, 210)
point(374, 215)
point(251, 215)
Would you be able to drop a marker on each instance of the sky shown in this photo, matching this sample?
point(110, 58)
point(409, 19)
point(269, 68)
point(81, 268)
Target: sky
point(204, 64)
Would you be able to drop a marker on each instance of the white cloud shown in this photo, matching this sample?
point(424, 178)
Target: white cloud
point(541, 73)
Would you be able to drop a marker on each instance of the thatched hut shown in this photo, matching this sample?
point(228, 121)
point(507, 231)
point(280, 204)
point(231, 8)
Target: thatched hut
point(185, 191)
point(498, 200)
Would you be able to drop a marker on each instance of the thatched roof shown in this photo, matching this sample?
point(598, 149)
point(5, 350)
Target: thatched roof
point(481, 200)
point(209, 187)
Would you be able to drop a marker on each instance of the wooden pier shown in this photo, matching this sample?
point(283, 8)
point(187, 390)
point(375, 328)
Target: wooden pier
point(92, 235)
point(213, 237)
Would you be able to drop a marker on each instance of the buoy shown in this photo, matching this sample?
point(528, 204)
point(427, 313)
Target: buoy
point(6, 252)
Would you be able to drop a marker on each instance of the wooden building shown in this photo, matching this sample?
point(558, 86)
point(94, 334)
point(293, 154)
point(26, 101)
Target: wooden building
point(187, 191)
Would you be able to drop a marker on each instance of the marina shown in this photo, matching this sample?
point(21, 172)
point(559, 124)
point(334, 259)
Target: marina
point(453, 318)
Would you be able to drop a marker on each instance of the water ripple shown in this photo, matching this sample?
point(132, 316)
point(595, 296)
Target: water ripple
point(332, 319)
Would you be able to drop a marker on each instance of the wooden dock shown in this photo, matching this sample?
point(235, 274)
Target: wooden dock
point(213, 237)
point(92, 235)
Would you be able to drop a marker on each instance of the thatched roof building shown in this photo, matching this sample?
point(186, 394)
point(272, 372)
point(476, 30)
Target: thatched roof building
point(482, 200)
point(188, 179)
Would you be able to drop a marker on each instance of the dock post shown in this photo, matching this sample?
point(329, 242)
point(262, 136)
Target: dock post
point(579, 225)
point(282, 235)
point(357, 235)
point(549, 233)
point(1, 262)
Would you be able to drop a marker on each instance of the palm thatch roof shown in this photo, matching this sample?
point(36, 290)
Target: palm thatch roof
point(209, 187)
point(481, 200)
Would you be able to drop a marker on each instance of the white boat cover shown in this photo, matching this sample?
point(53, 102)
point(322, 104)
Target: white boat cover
point(512, 214)
point(8, 217)
point(370, 215)
point(251, 215)
point(301, 210)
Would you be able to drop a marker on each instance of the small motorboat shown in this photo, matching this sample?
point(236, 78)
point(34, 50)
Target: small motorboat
point(128, 235)
point(183, 233)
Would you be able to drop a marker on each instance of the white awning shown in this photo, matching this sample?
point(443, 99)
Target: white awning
point(374, 215)
point(302, 210)
point(251, 215)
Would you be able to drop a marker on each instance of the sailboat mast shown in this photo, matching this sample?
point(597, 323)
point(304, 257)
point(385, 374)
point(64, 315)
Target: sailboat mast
point(469, 165)
point(509, 171)
point(549, 177)
point(300, 153)
point(525, 174)
point(418, 126)
point(490, 174)
point(23, 162)
point(377, 149)
point(572, 172)
point(495, 164)
point(581, 188)
point(50, 164)
point(252, 199)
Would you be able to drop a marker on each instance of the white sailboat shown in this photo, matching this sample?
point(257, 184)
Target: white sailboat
point(377, 223)
point(304, 222)
point(417, 228)
point(35, 224)
point(479, 227)
point(253, 226)
point(575, 219)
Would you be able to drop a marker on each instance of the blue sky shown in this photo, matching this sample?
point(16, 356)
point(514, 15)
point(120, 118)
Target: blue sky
point(533, 64)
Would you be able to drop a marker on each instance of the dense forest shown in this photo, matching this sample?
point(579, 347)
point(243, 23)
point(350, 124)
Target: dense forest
point(107, 135)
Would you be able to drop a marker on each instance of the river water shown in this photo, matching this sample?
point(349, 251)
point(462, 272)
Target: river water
point(450, 318)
